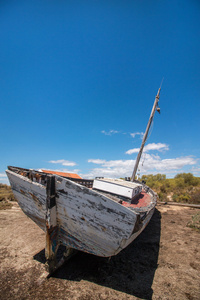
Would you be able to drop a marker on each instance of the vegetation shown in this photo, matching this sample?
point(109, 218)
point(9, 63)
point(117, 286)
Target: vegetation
point(195, 222)
point(184, 187)
point(6, 196)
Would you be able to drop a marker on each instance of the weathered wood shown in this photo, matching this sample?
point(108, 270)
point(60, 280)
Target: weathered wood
point(143, 225)
point(30, 196)
point(51, 225)
point(69, 252)
point(89, 221)
point(192, 205)
point(146, 134)
point(78, 217)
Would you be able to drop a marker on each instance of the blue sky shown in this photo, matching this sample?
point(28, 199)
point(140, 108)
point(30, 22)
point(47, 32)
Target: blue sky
point(79, 78)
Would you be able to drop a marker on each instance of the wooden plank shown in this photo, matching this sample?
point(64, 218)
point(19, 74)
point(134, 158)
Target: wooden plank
point(30, 196)
point(51, 225)
point(179, 204)
point(89, 221)
point(142, 227)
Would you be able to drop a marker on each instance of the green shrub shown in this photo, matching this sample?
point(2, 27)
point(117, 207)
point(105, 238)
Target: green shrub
point(195, 222)
point(180, 183)
point(175, 197)
point(195, 197)
point(184, 187)
point(184, 198)
point(163, 188)
point(188, 178)
point(161, 196)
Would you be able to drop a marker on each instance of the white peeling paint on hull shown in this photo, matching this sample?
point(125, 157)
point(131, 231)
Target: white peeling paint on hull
point(86, 220)
point(135, 235)
point(90, 221)
point(30, 196)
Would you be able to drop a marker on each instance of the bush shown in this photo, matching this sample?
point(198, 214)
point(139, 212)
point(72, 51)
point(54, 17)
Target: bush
point(195, 222)
point(153, 178)
point(180, 183)
point(188, 178)
point(184, 187)
point(175, 197)
point(184, 198)
point(6, 193)
point(163, 188)
point(195, 197)
point(161, 196)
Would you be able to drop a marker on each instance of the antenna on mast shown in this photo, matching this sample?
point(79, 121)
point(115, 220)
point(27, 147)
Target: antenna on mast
point(155, 107)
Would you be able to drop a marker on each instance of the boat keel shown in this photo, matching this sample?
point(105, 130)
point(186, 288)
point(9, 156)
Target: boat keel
point(52, 243)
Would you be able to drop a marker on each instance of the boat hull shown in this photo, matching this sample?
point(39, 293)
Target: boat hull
point(84, 219)
point(31, 197)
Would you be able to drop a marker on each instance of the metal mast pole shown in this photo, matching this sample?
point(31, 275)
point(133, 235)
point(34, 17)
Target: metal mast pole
point(146, 134)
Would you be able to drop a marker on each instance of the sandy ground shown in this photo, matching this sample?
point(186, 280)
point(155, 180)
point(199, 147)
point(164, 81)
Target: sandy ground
point(162, 263)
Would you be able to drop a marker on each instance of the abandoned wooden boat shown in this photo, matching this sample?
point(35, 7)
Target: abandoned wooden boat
point(82, 214)
point(100, 216)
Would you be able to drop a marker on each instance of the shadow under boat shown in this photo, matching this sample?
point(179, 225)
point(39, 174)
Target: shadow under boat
point(131, 271)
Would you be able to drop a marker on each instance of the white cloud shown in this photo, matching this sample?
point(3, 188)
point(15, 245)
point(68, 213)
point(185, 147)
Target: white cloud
point(3, 175)
point(195, 170)
point(63, 162)
point(159, 146)
point(137, 133)
point(4, 178)
point(4, 181)
point(156, 163)
point(96, 161)
point(112, 169)
point(131, 151)
point(110, 132)
point(152, 164)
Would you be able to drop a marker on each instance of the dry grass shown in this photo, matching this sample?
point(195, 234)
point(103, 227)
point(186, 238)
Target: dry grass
point(6, 196)
point(195, 222)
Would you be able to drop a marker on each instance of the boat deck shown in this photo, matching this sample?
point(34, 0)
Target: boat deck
point(143, 200)
point(140, 202)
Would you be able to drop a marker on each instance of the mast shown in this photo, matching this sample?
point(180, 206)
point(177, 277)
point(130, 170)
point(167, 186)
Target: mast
point(146, 133)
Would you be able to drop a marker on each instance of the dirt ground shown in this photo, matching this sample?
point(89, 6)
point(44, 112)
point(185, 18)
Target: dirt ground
point(162, 263)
